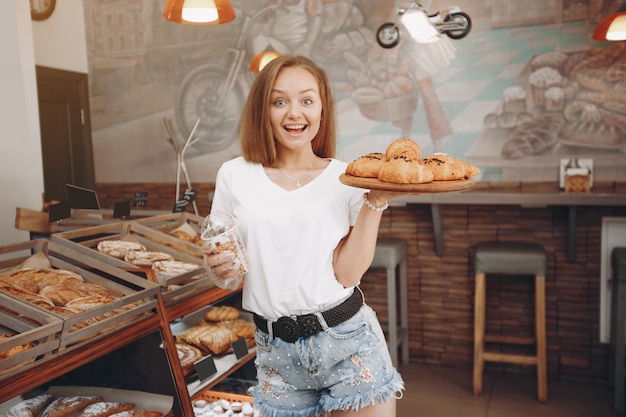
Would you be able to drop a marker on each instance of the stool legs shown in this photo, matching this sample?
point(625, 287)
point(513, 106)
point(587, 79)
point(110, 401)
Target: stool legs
point(540, 335)
point(391, 315)
point(540, 357)
point(480, 291)
point(618, 321)
point(404, 311)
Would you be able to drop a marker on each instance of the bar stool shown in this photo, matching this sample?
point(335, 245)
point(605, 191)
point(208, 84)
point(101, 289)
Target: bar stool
point(515, 258)
point(391, 254)
point(618, 323)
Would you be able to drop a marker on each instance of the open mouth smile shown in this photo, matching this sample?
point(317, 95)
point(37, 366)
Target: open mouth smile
point(295, 128)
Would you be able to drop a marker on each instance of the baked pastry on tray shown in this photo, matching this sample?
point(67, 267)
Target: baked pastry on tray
point(366, 166)
point(403, 170)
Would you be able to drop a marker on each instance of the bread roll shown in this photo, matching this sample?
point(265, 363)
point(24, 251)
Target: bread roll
point(185, 232)
point(146, 259)
point(14, 350)
point(366, 166)
point(60, 294)
point(403, 170)
point(81, 304)
point(60, 276)
point(403, 147)
point(119, 248)
point(167, 269)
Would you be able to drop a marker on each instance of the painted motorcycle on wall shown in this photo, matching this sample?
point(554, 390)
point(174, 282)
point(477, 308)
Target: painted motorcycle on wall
point(451, 21)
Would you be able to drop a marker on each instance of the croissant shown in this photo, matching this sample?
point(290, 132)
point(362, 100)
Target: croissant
point(445, 168)
point(403, 147)
point(403, 170)
point(366, 166)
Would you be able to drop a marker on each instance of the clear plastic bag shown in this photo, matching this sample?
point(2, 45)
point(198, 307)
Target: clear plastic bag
point(225, 256)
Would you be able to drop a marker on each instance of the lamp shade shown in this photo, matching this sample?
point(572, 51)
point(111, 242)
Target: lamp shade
point(199, 12)
point(262, 59)
point(611, 28)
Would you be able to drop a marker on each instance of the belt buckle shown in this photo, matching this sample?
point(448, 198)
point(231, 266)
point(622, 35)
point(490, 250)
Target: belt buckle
point(309, 325)
point(287, 329)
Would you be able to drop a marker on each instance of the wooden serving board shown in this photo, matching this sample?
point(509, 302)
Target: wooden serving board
point(425, 188)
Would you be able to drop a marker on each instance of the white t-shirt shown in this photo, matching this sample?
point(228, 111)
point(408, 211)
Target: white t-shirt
point(290, 236)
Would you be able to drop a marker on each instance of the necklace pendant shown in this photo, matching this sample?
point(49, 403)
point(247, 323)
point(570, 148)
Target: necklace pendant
point(298, 184)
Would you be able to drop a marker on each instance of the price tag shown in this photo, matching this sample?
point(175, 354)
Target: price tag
point(121, 209)
point(240, 347)
point(179, 206)
point(59, 211)
point(205, 368)
point(141, 199)
point(189, 195)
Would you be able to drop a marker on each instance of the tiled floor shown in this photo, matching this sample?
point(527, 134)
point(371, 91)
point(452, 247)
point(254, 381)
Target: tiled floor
point(441, 391)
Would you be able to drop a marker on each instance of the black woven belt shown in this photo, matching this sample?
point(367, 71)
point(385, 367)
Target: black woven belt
point(292, 328)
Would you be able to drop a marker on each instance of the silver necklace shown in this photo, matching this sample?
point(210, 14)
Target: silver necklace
point(297, 181)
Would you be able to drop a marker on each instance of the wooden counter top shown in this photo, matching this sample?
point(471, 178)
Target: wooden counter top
point(522, 194)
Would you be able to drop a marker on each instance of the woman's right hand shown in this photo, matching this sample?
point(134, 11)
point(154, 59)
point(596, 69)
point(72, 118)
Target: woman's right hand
point(223, 265)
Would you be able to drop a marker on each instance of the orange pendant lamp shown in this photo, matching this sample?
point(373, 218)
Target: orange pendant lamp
point(199, 12)
point(262, 59)
point(612, 27)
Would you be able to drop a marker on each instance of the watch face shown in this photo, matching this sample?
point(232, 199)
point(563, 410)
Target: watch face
point(41, 9)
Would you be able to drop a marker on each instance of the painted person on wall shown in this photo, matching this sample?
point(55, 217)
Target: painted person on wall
point(310, 239)
point(293, 29)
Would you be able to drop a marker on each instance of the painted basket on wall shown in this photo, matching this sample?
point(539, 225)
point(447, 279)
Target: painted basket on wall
point(390, 109)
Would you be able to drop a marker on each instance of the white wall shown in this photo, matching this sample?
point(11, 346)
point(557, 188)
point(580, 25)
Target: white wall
point(21, 172)
point(60, 43)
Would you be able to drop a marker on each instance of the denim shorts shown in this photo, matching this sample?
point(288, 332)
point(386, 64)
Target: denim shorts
point(344, 367)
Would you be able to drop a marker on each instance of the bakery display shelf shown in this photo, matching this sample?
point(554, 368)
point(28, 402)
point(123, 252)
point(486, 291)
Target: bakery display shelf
point(210, 396)
point(140, 400)
point(225, 364)
point(136, 297)
point(29, 378)
point(34, 330)
point(82, 218)
point(433, 187)
point(176, 287)
point(235, 403)
point(171, 221)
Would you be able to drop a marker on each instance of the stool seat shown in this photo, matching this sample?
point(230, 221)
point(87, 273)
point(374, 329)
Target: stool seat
point(618, 324)
point(513, 258)
point(391, 254)
point(520, 258)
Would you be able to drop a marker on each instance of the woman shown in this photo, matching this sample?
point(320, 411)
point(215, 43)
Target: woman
point(309, 239)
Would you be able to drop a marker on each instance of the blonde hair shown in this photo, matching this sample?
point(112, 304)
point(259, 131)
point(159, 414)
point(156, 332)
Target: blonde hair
point(255, 130)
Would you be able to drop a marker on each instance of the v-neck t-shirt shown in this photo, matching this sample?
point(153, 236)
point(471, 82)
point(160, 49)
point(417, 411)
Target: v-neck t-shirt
point(290, 235)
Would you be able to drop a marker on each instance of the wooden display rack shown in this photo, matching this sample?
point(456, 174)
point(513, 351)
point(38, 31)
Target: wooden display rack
point(75, 249)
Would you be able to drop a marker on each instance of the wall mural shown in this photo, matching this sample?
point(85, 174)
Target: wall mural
point(525, 89)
